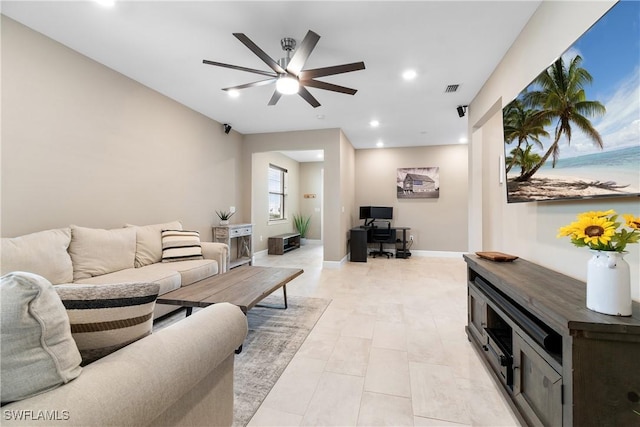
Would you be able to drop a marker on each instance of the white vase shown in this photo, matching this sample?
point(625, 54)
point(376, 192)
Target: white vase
point(224, 222)
point(609, 283)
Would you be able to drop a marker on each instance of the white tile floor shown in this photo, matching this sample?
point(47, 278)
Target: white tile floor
point(390, 350)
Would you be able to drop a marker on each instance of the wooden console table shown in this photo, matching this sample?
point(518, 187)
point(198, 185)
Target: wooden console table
point(282, 243)
point(238, 238)
point(557, 362)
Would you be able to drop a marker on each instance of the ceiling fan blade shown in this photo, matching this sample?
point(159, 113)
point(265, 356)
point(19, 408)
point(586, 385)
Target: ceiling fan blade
point(303, 92)
point(328, 86)
point(329, 71)
point(254, 84)
point(260, 53)
point(302, 53)
point(236, 67)
point(275, 98)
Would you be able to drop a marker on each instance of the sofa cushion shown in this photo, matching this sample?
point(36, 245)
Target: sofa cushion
point(43, 253)
point(168, 279)
point(37, 352)
point(180, 245)
point(95, 252)
point(190, 271)
point(105, 318)
point(149, 242)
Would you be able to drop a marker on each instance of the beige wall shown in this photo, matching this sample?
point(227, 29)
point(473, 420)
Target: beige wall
point(83, 144)
point(262, 228)
point(328, 140)
point(436, 224)
point(311, 183)
point(529, 229)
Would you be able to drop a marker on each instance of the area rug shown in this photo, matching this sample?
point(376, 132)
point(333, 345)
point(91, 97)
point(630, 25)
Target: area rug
point(275, 335)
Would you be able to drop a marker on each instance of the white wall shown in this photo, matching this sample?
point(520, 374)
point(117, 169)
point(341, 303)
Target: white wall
point(86, 145)
point(311, 183)
point(529, 229)
point(436, 224)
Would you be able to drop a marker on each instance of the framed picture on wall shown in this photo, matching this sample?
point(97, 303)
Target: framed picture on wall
point(418, 183)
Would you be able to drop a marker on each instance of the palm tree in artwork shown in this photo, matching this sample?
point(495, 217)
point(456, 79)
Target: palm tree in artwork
point(525, 158)
point(562, 97)
point(523, 125)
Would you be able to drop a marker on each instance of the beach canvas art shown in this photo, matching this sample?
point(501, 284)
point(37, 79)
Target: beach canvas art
point(574, 132)
point(418, 183)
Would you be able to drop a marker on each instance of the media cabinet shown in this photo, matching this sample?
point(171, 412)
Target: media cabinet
point(558, 363)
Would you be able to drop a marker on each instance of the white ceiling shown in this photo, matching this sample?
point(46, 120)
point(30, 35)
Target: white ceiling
point(161, 44)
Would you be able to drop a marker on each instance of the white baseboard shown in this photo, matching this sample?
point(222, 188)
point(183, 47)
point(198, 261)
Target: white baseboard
point(437, 254)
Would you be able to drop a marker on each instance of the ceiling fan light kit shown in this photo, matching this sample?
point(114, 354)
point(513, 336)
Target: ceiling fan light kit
point(288, 73)
point(287, 85)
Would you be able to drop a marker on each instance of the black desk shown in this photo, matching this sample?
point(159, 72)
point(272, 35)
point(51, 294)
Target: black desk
point(360, 236)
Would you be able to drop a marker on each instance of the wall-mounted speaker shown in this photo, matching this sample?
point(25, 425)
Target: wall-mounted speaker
point(461, 110)
point(227, 128)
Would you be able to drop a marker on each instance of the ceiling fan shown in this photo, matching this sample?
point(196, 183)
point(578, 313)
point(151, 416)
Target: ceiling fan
point(288, 74)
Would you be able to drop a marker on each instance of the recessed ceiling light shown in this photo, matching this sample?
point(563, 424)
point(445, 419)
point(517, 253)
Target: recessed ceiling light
point(320, 117)
point(380, 144)
point(233, 93)
point(463, 140)
point(409, 74)
point(106, 3)
point(374, 123)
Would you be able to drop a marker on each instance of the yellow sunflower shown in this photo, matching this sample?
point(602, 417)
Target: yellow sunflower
point(599, 214)
point(594, 230)
point(632, 222)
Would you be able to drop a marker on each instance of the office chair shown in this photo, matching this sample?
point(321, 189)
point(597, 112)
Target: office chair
point(382, 235)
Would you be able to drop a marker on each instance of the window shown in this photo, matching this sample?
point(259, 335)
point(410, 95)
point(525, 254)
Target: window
point(276, 192)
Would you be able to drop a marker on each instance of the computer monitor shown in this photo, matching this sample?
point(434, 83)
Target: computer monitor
point(365, 212)
point(379, 212)
point(371, 213)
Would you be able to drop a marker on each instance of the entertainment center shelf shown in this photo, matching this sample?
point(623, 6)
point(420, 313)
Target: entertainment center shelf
point(557, 362)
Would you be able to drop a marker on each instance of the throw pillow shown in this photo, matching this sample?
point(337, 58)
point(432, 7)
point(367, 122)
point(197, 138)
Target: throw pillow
point(43, 253)
point(180, 245)
point(37, 352)
point(105, 318)
point(96, 252)
point(149, 242)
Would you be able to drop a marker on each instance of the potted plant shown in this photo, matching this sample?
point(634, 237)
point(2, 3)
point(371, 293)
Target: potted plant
point(224, 216)
point(302, 226)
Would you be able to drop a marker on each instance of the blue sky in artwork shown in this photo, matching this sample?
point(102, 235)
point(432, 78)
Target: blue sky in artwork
point(610, 50)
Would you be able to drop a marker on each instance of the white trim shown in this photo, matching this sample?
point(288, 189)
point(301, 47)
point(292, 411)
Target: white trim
point(437, 254)
point(261, 254)
point(335, 264)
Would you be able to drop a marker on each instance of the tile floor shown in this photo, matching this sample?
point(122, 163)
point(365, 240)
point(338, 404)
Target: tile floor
point(390, 350)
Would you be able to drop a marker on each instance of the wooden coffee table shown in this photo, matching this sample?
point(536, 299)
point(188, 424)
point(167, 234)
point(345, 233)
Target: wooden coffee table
point(244, 286)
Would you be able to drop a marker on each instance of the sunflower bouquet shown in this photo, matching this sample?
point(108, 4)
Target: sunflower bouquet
point(602, 231)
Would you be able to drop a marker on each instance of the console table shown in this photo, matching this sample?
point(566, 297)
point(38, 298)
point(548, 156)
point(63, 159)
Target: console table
point(278, 245)
point(558, 363)
point(238, 238)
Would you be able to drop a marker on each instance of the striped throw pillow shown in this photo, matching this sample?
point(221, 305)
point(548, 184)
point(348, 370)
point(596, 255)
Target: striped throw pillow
point(180, 245)
point(105, 318)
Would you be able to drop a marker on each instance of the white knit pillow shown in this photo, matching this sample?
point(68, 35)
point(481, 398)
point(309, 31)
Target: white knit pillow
point(180, 245)
point(37, 352)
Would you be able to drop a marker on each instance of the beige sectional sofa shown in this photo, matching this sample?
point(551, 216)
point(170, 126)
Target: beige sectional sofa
point(131, 254)
point(179, 376)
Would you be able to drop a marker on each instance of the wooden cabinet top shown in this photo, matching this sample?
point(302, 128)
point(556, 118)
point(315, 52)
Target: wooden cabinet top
point(556, 299)
point(233, 226)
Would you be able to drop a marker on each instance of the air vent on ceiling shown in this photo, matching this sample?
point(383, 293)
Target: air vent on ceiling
point(451, 88)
